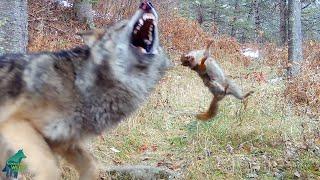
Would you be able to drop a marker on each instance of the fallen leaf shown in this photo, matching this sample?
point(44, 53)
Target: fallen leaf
point(143, 148)
point(229, 148)
point(154, 147)
point(115, 150)
point(252, 175)
point(117, 162)
point(297, 174)
point(145, 158)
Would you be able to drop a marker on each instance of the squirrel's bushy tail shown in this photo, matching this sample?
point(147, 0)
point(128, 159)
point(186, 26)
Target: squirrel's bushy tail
point(212, 111)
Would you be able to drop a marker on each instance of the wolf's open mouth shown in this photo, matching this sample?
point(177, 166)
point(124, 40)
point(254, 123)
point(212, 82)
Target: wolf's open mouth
point(143, 34)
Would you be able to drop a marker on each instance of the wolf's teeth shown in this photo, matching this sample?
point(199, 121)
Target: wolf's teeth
point(141, 21)
point(135, 31)
point(138, 28)
point(147, 42)
point(148, 16)
point(142, 50)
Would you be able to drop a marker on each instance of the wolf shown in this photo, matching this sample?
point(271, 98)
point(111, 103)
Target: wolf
point(50, 102)
point(213, 77)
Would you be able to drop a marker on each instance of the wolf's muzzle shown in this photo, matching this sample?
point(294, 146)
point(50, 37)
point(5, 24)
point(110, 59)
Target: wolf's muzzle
point(144, 35)
point(146, 6)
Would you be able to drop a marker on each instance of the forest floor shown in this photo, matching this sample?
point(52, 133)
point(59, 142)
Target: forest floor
point(265, 139)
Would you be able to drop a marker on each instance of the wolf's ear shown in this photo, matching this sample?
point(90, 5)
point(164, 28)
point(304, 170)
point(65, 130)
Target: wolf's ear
point(92, 36)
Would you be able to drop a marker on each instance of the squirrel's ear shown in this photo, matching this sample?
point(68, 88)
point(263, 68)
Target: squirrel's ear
point(183, 57)
point(92, 36)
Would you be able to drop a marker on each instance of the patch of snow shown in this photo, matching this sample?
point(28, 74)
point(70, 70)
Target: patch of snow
point(248, 52)
point(64, 3)
point(275, 80)
point(226, 6)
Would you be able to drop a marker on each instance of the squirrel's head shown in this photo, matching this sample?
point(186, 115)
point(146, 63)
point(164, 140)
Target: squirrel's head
point(187, 60)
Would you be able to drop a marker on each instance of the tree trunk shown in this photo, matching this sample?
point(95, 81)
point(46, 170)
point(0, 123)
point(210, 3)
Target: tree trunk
point(13, 26)
point(102, 6)
point(215, 17)
point(199, 12)
point(295, 38)
point(250, 18)
point(283, 22)
point(234, 18)
point(83, 10)
point(215, 13)
point(257, 21)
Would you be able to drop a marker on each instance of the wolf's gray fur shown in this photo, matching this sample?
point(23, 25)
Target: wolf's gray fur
point(95, 87)
point(72, 94)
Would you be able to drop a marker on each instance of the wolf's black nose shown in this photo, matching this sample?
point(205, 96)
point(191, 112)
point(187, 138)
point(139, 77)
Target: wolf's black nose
point(146, 6)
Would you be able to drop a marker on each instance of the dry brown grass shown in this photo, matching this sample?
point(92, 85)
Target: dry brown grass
point(304, 90)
